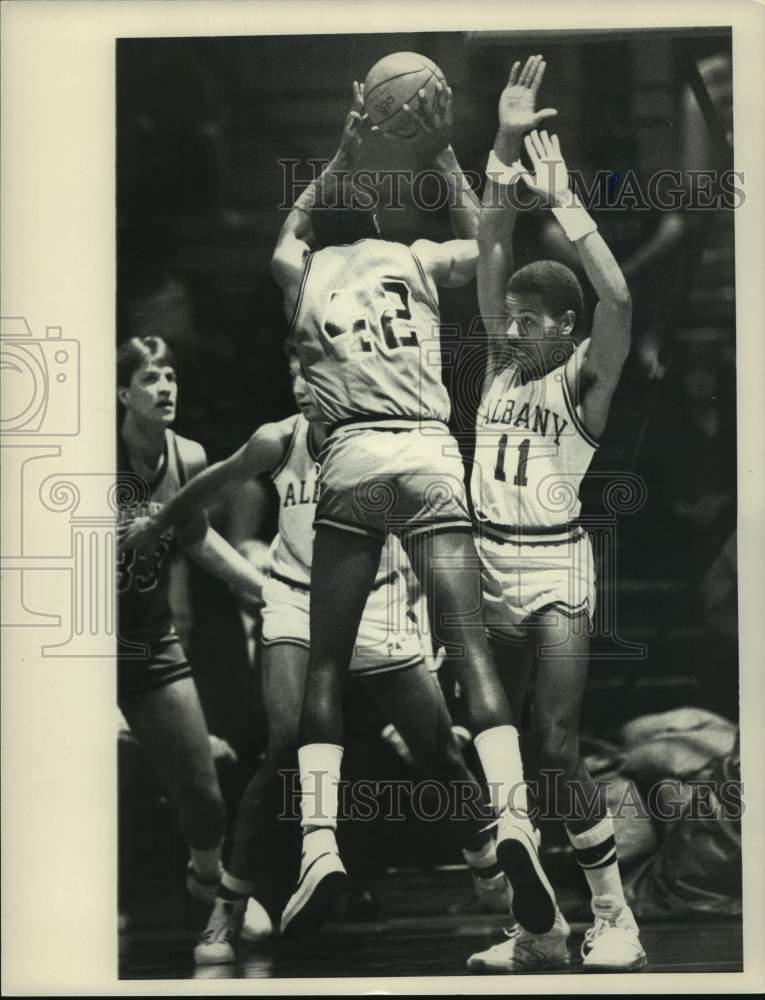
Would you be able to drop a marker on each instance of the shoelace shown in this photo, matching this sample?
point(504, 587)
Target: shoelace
point(218, 934)
point(600, 925)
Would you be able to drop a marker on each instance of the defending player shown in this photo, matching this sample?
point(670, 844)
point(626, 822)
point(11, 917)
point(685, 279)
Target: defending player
point(387, 655)
point(365, 324)
point(156, 693)
point(545, 404)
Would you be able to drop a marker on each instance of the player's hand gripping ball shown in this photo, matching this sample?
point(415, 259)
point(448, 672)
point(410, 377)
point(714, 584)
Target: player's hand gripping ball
point(404, 94)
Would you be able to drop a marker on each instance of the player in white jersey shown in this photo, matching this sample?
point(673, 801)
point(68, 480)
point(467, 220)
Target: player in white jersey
point(365, 324)
point(545, 404)
point(387, 656)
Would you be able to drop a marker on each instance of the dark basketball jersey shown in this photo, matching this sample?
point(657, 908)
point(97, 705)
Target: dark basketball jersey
point(143, 580)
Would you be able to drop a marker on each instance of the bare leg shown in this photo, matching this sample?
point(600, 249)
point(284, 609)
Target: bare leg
point(343, 571)
point(412, 700)
point(448, 570)
point(170, 726)
point(259, 837)
point(563, 649)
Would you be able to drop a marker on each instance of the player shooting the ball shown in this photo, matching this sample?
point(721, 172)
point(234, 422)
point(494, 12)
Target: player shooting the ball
point(545, 403)
point(360, 308)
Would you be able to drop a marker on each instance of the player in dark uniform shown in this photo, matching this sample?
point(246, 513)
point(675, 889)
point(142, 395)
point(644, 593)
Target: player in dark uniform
point(156, 693)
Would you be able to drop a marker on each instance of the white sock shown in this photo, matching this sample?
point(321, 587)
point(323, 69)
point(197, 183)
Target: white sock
point(595, 851)
point(319, 766)
point(206, 863)
point(238, 885)
point(484, 857)
point(500, 755)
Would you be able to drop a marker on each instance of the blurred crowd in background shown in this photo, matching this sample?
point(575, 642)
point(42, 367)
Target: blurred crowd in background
point(202, 128)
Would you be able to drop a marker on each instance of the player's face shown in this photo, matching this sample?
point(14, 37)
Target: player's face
point(547, 337)
point(152, 394)
point(302, 393)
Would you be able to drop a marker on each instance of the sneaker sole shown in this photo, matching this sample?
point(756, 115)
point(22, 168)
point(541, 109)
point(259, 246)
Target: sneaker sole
point(533, 897)
point(202, 959)
point(313, 902)
point(639, 963)
point(479, 966)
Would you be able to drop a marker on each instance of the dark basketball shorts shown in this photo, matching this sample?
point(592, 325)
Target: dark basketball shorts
point(162, 661)
point(380, 480)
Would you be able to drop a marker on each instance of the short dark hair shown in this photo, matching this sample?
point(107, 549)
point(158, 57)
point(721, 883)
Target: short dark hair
point(137, 351)
point(554, 283)
point(341, 226)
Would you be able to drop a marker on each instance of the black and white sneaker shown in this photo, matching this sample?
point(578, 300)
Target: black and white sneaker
point(322, 878)
point(217, 943)
point(518, 855)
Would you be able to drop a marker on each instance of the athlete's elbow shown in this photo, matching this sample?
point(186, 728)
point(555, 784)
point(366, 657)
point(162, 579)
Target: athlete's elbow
point(619, 297)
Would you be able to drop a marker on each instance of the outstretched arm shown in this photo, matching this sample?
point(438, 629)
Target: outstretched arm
point(498, 211)
point(449, 264)
point(296, 235)
point(262, 453)
point(594, 371)
point(214, 554)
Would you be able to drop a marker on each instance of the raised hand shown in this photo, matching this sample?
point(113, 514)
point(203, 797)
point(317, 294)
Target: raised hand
point(549, 176)
point(518, 99)
point(425, 124)
point(352, 138)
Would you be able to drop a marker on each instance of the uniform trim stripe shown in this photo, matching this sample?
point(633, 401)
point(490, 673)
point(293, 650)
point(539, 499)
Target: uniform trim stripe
point(576, 419)
point(370, 421)
point(354, 528)
point(604, 863)
point(569, 610)
point(390, 578)
point(153, 683)
point(285, 640)
point(297, 584)
point(287, 452)
point(594, 857)
point(425, 282)
point(436, 528)
point(413, 661)
point(301, 291)
point(575, 534)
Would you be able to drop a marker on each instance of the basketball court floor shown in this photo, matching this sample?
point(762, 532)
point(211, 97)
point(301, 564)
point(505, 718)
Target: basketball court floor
point(428, 926)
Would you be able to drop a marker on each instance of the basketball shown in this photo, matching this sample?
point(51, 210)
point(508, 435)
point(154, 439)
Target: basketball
point(394, 81)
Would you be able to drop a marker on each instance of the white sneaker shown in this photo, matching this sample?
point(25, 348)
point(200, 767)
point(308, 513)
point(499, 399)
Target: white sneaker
point(216, 945)
point(257, 924)
point(322, 879)
point(612, 943)
point(203, 889)
point(518, 854)
point(523, 951)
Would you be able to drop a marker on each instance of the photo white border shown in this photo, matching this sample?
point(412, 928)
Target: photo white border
point(58, 268)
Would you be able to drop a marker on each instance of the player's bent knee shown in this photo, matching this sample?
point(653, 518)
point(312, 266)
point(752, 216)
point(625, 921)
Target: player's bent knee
point(559, 751)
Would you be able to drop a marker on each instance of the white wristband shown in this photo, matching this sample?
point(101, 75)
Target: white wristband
point(575, 220)
point(500, 173)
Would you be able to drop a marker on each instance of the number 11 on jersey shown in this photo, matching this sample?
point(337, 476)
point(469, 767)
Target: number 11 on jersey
point(519, 479)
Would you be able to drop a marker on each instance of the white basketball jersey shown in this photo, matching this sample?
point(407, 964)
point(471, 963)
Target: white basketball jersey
point(531, 454)
point(297, 483)
point(366, 330)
